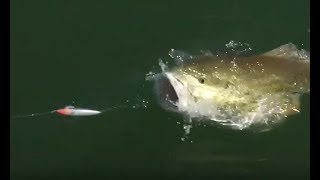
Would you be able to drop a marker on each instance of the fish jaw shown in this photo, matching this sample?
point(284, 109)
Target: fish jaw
point(179, 88)
point(173, 93)
point(181, 93)
point(166, 94)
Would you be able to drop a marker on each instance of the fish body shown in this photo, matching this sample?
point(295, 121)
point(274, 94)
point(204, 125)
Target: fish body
point(237, 90)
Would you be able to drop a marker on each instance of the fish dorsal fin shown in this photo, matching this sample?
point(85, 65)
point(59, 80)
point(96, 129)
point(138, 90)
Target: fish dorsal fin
point(289, 51)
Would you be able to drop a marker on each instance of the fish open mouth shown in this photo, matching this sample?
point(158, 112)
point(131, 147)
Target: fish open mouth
point(166, 93)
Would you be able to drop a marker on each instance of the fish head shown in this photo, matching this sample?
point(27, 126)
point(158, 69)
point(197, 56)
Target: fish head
point(188, 85)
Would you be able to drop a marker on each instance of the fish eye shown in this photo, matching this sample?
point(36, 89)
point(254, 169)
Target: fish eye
point(201, 80)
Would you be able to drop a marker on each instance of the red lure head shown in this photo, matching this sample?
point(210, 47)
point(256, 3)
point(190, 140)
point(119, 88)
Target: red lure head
point(65, 111)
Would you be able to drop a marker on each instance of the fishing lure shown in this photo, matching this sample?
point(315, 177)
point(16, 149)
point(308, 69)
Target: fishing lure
point(72, 111)
point(66, 111)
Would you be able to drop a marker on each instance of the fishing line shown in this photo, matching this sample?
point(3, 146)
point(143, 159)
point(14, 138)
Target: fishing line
point(136, 103)
point(34, 114)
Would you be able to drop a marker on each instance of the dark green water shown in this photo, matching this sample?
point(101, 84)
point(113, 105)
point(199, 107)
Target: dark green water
point(96, 53)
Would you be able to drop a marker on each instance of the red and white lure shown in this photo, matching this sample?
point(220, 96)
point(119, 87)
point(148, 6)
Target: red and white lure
point(67, 111)
point(72, 111)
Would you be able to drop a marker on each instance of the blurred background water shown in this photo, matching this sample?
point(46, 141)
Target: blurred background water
point(96, 54)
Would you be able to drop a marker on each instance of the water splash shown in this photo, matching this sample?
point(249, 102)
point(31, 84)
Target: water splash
point(239, 47)
point(179, 56)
